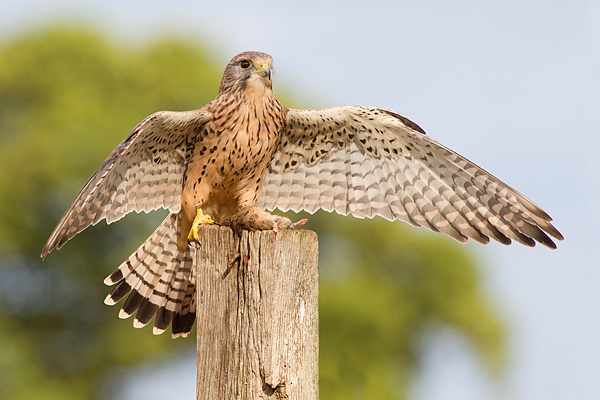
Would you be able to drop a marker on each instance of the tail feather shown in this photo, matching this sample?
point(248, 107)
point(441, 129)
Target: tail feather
point(185, 317)
point(160, 282)
point(171, 303)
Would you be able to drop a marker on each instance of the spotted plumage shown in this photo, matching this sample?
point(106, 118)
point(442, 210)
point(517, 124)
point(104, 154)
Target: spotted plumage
point(245, 152)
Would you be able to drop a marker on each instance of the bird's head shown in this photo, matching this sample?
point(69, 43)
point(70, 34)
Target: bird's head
point(248, 70)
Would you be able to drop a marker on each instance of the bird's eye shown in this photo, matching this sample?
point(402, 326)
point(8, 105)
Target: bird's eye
point(245, 64)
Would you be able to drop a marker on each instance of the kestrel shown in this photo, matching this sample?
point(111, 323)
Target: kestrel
point(245, 152)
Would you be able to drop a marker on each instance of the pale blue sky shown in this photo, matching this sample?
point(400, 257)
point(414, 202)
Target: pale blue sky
point(514, 86)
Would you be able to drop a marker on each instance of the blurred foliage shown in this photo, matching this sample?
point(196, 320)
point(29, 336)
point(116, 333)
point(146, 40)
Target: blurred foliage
point(67, 98)
point(384, 287)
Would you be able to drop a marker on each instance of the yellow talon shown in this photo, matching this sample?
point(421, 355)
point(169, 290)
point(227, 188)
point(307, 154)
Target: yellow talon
point(200, 219)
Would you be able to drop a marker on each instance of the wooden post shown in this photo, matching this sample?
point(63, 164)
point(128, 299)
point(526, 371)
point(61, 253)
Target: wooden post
point(258, 316)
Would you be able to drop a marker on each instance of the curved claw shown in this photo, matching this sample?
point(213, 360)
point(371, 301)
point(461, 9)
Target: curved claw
point(200, 219)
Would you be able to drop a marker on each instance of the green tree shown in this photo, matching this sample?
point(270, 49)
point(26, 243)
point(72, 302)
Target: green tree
point(67, 97)
point(383, 287)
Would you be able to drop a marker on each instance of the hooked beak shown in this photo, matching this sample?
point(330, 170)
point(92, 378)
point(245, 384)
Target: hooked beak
point(264, 70)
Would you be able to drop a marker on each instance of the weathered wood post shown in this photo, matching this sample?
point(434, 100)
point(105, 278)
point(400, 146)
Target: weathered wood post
point(258, 316)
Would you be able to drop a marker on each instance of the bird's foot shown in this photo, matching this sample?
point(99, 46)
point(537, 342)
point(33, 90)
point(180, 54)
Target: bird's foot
point(200, 219)
point(255, 219)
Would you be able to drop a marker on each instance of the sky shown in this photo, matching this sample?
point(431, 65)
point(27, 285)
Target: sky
point(514, 86)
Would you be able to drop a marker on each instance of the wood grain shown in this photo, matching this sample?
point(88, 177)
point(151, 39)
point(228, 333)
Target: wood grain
point(257, 315)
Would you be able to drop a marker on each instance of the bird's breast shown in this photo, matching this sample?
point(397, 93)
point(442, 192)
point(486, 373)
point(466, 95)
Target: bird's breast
point(230, 159)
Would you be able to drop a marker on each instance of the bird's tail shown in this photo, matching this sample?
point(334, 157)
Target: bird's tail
point(162, 282)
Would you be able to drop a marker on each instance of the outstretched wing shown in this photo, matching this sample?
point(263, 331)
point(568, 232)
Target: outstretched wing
point(144, 173)
point(368, 161)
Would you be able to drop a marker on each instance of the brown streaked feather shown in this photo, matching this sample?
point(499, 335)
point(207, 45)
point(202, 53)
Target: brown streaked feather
point(245, 148)
point(367, 161)
point(143, 173)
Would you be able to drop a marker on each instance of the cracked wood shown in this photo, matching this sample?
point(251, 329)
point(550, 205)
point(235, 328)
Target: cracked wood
point(257, 315)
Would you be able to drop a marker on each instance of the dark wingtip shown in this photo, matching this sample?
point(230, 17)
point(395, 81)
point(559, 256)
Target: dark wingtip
point(48, 247)
point(552, 231)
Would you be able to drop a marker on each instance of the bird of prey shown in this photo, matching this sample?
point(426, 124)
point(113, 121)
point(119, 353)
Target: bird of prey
point(245, 153)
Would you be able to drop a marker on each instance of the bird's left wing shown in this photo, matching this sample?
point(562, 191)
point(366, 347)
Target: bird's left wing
point(144, 173)
point(368, 161)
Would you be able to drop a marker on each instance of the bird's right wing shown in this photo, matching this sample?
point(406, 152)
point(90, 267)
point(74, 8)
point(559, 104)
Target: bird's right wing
point(366, 161)
point(144, 173)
